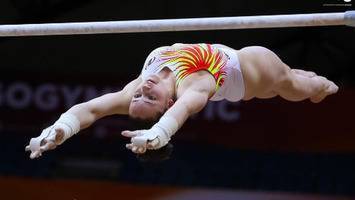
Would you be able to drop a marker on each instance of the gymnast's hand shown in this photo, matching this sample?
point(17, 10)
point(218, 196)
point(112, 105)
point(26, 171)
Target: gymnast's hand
point(141, 140)
point(155, 138)
point(49, 139)
point(65, 127)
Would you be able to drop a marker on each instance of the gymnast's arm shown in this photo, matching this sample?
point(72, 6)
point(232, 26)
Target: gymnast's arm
point(192, 101)
point(105, 105)
point(82, 116)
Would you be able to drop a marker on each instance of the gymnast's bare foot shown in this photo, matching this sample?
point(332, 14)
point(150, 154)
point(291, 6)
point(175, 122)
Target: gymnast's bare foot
point(329, 88)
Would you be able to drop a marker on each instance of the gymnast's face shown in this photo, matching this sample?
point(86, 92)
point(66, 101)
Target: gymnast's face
point(151, 99)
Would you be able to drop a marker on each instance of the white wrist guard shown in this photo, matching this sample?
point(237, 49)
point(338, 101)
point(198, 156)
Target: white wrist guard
point(163, 130)
point(67, 121)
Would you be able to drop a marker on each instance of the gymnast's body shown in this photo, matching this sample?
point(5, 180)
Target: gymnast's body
point(177, 81)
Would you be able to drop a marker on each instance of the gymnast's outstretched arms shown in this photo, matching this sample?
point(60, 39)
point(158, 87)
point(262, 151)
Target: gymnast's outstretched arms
point(81, 116)
point(192, 99)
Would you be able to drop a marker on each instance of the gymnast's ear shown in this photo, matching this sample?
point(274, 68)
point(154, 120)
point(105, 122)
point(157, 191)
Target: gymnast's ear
point(170, 102)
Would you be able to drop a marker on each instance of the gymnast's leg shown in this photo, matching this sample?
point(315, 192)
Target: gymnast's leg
point(297, 87)
point(268, 76)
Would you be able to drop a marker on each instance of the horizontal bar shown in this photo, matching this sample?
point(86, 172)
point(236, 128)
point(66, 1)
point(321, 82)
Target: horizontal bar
point(350, 18)
point(185, 24)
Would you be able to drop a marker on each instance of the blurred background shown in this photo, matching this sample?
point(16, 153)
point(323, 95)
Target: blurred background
point(259, 149)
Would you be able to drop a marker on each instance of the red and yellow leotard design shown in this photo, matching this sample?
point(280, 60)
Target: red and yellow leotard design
point(191, 58)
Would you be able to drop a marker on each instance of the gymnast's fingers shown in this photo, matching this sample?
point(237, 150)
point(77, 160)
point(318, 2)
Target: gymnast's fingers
point(49, 145)
point(134, 149)
point(129, 146)
point(128, 133)
point(153, 143)
point(141, 150)
point(27, 148)
point(138, 150)
point(35, 154)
